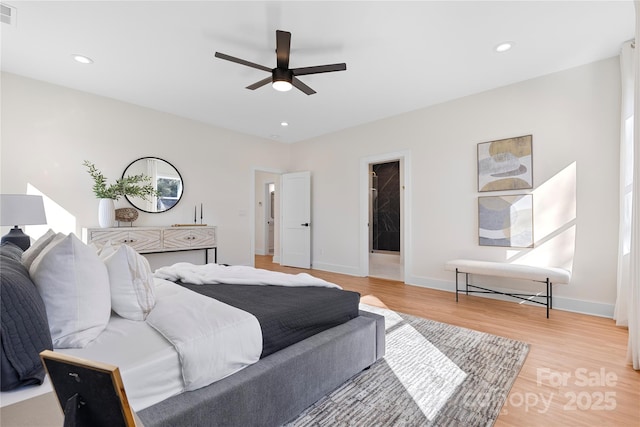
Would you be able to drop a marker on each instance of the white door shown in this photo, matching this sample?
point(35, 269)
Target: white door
point(296, 220)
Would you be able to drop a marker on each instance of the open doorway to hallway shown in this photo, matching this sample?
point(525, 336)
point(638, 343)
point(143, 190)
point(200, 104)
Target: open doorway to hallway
point(265, 209)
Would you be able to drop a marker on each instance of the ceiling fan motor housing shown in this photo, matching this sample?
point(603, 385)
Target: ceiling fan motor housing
point(282, 74)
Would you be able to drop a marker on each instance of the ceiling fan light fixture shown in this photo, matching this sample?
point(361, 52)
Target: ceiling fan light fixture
point(281, 85)
point(281, 79)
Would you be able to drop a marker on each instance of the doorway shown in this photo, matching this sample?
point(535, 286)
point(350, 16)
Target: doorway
point(384, 208)
point(384, 212)
point(265, 213)
point(385, 220)
point(269, 217)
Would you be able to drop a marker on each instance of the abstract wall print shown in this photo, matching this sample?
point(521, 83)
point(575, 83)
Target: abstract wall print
point(505, 164)
point(506, 221)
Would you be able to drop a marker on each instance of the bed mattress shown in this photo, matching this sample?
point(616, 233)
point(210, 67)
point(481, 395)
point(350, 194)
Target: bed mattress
point(286, 315)
point(138, 350)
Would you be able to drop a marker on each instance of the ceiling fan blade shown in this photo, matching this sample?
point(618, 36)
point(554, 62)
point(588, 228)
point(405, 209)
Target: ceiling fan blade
point(241, 61)
point(261, 83)
point(319, 69)
point(303, 87)
point(283, 48)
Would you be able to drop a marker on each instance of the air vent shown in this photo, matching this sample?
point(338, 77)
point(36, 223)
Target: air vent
point(8, 14)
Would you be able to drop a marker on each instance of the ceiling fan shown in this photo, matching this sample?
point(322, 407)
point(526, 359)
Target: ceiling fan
point(282, 77)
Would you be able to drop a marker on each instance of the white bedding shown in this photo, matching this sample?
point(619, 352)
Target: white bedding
point(151, 368)
point(139, 351)
point(213, 339)
point(236, 275)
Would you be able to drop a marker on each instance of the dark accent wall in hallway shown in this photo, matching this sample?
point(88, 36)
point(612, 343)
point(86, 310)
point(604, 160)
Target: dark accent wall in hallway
point(386, 206)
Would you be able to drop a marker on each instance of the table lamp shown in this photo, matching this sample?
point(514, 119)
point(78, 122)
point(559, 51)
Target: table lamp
point(20, 209)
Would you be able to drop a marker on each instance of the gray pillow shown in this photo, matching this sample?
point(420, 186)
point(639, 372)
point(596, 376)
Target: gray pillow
point(24, 330)
point(12, 251)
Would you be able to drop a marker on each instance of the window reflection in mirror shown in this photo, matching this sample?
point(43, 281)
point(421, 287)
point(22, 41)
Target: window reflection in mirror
point(167, 179)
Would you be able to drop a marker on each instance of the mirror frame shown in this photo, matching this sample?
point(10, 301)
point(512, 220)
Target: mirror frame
point(168, 163)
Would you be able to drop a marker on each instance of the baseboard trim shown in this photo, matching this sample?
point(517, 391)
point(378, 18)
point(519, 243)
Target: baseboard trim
point(336, 268)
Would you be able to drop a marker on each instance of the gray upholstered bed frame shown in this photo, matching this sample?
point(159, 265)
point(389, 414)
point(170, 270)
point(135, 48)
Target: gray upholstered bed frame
point(279, 387)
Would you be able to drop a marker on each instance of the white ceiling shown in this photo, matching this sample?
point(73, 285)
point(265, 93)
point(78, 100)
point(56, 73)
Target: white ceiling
point(401, 56)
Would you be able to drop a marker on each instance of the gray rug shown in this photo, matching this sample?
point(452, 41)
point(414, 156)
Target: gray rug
point(433, 374)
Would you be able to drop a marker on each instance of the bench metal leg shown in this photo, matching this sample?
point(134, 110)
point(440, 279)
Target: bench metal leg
point(467, 282)
point(548, 298)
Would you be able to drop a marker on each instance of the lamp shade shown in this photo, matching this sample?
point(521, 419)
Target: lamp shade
point(21, 209)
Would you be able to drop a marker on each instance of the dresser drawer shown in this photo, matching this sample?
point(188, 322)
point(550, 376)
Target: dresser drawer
point(140, 240)
point(192, 238)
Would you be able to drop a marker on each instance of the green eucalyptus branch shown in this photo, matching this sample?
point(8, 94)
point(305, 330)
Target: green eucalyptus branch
point(132, 185)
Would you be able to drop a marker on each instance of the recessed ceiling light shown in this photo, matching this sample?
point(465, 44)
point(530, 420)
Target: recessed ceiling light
point(82, 59)
point(284, 124)
point(504, 46)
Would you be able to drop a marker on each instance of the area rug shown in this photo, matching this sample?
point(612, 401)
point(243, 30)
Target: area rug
point(433, 374)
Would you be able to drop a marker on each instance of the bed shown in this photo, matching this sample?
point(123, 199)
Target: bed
point(287, 375)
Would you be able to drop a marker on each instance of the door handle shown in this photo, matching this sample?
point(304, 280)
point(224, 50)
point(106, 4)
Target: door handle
point(306, 224)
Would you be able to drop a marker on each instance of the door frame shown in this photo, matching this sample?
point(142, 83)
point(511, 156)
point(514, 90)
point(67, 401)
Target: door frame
point(252, 213)
point(405, 207)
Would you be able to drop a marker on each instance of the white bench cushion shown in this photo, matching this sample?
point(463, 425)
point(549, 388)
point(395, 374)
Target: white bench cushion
point(516, 271)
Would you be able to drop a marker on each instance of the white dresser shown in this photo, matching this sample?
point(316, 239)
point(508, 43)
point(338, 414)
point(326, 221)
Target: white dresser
point(148, 240)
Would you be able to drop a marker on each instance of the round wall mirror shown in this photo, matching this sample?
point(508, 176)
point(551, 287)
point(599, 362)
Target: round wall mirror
point(166, 178)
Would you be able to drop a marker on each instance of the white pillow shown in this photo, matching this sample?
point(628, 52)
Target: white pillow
point(131, 281)
point(74, 285)
point(34, 250)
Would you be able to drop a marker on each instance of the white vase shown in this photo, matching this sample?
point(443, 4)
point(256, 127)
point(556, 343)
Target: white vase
point(106, 213)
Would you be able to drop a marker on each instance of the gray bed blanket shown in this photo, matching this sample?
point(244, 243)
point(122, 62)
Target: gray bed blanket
point(286, 315)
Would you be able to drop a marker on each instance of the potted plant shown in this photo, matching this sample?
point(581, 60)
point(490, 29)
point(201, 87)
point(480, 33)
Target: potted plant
point(131, 185)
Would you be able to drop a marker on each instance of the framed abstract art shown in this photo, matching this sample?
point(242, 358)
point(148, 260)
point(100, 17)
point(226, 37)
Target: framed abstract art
point(505, 164)
point(506, 221)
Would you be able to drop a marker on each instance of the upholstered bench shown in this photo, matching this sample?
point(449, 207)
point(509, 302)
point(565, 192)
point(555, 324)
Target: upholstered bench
point(546, 275)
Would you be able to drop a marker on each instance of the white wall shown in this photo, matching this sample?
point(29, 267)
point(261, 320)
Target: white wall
point(48, 130)
point(574, 119)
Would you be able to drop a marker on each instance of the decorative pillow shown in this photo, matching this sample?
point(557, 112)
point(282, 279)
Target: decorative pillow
point(74, 285)
point(9, 250)
point(34, 250)
point(25, 331)
point(131, 281)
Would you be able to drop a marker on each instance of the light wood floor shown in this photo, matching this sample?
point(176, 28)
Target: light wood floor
point(575, 373)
